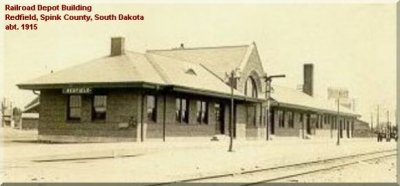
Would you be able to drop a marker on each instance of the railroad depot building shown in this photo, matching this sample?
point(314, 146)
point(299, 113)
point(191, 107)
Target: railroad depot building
point(180, 92)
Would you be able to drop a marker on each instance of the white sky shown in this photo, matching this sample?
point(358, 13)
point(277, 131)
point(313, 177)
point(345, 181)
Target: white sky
point(351, 45)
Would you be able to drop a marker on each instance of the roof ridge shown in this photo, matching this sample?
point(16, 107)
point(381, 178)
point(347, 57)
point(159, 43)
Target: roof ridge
point(174, 58)
point(210, 71)
point(157, 68)
point(197, 48)
point(192, 63)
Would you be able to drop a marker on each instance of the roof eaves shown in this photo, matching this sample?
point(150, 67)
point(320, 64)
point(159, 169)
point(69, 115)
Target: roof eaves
point(207, 92)
point(313, 109)
point(90, 85)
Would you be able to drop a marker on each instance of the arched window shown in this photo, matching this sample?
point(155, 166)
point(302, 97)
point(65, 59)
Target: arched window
point(250, 88)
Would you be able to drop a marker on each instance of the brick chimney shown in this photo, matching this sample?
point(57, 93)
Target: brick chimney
point(117, 46)
point(308, 84)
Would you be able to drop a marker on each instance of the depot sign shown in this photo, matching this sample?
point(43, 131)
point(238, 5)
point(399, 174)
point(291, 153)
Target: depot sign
point(77, 91)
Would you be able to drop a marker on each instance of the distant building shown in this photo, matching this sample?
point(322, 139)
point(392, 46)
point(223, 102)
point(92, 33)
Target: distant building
point(30, 115)
point(7, 113)
point(362, 129)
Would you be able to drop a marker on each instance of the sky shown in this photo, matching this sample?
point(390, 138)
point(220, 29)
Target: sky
point(351, 45)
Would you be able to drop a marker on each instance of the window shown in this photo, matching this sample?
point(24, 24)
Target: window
point(182, 110)
point(281, 121)
point(151, 108)
point(291, 119)
point(74, 107)
point(202, 111)
point(250, 89)
point(99, 107)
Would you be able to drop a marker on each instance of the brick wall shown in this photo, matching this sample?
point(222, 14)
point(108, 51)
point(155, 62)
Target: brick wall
point(253, 68)
point(176, 129)
point(53, 116)
point(254, 131)
point(123, 104)
point(29, 123)
point(241, 121)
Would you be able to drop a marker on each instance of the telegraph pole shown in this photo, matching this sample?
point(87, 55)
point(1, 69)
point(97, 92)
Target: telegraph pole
point(388, 123)
point(339, 128)
point(377, 120)
point(267, 115)
point(268, 80)
point(372, 122)
point(233, 76)
point(231, 121)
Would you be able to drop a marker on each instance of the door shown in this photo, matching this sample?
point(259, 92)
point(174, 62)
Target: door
point(308, 124)
point(251, 116)
point(219, 117)
point(272, 122)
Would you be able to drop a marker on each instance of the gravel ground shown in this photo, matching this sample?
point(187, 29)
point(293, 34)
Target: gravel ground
point(382, 170)
point(155, 161)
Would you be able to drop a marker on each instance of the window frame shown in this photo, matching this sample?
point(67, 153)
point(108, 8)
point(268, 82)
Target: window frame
point(202, 112)
point(153, 117)
point(281, 119)
point(94, 117)
point(179, 111)
point(251, 83)
point(69, 118)
point(291, 119)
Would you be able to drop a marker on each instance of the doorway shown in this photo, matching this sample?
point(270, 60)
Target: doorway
point(340, 129)
point(272, 122)
point(220, 117)
point(308, 124)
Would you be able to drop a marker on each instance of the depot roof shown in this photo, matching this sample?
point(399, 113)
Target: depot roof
point(293, 98)
point(134, 68)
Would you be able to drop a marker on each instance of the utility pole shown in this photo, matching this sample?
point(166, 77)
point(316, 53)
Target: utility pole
point(267, 110)
point(268, 80)
point(387, 122)
point(339, 127)
point(330, 120)
point(233, 76)
point(377, 120)
point(372, 122)
point(231, 121)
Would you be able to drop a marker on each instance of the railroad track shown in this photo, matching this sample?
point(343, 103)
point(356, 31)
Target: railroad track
point(270, 174)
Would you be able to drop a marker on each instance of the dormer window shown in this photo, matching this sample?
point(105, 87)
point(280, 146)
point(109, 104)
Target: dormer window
point(190, 71)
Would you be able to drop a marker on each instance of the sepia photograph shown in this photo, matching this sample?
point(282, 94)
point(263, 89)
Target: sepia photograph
point(165, 93)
